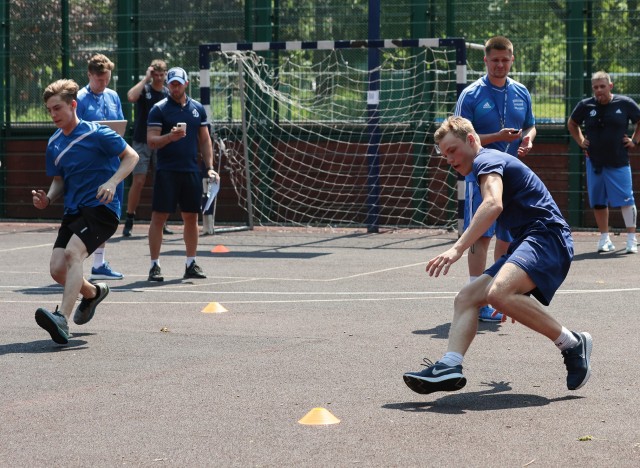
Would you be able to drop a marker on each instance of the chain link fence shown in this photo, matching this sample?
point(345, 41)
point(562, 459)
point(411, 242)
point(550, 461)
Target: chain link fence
point(43, 34)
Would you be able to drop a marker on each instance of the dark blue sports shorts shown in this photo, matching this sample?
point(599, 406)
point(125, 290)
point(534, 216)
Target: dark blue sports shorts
point(545, 253)
point(172, 188)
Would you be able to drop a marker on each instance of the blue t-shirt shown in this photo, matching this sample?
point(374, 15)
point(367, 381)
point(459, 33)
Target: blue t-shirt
point(605, 126)
point(525, 198)
point(105, 106)
point(491, 109)
point(181, 155)
point(85, 159)
point(145, 102)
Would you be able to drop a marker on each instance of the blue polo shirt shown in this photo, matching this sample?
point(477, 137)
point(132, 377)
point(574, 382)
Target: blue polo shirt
point(605, 126)
point(85, 160)
point(181, 155)
point(104, 106)
point(490, 109)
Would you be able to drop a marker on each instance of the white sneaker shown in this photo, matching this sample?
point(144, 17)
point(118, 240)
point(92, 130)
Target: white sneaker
point(632, 247)
point(606, 246)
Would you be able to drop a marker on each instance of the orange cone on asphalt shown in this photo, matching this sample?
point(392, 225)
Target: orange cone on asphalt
point(319, 416)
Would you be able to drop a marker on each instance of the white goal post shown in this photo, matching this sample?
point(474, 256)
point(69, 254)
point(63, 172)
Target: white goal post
point(315, 136)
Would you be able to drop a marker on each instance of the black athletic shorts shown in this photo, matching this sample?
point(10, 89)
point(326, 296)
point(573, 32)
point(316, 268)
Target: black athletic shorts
point(172, 188)
point(93, 225)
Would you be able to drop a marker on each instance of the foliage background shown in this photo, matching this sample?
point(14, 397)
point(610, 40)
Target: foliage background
point(173, 29)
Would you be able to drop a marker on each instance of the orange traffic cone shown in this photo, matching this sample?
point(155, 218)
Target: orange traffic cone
point(220, 249)
point(319, 416)
point(214, 308)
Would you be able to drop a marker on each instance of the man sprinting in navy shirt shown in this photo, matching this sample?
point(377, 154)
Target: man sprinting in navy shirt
point(536, 263)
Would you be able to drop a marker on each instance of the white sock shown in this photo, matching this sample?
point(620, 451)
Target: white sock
point(566, 340)
point(190, 260)
point(472, 279)
point(604, 236)
point(631, 237)
point(155, 262)
point(452, 359)
point(98, 257)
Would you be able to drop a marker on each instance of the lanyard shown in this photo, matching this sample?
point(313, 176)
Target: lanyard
point(502, 116)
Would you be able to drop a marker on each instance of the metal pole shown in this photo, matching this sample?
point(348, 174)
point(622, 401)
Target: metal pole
point(245, 145)
point(373, 128)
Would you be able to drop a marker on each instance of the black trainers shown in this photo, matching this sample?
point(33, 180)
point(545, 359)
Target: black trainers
point(128, 226)
point(577, 360)
point(436, 377)
point(55, 323)
point(87, 307)
point(155, 274)
point(166, 231)
point(193, 271)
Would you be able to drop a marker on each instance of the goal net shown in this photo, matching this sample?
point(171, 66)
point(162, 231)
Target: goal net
point(337, 136)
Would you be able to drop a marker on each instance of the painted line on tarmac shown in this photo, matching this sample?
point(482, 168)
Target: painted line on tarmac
point(26, 248)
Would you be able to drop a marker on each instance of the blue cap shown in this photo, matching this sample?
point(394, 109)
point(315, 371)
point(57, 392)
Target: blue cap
point(177, 74)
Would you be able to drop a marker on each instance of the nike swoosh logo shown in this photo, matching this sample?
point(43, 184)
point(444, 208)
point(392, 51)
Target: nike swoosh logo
point(438, 372)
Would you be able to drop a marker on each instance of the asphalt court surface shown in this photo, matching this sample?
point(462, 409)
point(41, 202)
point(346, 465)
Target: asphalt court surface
point(315, 318)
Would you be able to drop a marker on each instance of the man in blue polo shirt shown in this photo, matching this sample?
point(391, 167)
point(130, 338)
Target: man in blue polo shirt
point(96, 102)
point(536, 263)
point(500, 110)
point(87, 162)
point(178, 128)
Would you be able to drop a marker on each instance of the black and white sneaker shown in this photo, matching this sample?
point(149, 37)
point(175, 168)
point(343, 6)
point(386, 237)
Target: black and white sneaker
point(577, 360)
point(193, 271)
point(436, 377)
point(155, 273)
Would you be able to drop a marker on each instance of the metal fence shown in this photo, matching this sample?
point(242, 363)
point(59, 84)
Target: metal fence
point(45, 41)
point(558, 45)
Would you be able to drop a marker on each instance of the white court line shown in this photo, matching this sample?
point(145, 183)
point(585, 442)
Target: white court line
point(281, 301)
point(27, 247)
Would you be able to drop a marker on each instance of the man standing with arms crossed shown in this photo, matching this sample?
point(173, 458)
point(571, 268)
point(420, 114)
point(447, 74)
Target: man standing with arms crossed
point(501, 112)
point(606, 145)
point(178, 129)
point(144, 94)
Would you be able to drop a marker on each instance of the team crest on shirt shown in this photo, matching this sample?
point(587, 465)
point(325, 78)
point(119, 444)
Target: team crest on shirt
point(195, 113)
point(592, 113)
point(148, 96)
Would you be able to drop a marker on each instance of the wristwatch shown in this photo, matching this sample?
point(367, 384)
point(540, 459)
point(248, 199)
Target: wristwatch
point(635, 143)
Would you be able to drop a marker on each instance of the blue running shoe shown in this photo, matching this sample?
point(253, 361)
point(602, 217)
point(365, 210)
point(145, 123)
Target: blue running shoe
point(105, 273)
point(436, 377)
point(485, 314)
point(577, 360)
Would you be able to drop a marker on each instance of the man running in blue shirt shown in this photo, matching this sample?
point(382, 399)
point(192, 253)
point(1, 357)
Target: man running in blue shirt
point(536, 263)
point(500, 110)
point(96, 102)
point(87, 162)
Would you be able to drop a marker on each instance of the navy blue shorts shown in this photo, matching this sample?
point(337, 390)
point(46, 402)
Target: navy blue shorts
point(172, 188)
point(93, 225)
point(545, 254)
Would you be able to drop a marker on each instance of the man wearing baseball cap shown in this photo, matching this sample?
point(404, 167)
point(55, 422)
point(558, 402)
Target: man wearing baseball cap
point(178, 128)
